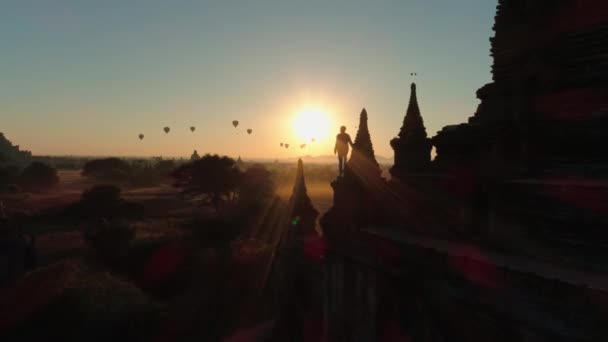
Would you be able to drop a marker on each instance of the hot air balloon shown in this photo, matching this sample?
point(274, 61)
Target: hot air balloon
point(235, 123)
point(281, 144)
point(141, 137)
point(286, 145)
point(167, 129)
point(192, 128)
point(303, 145)
point(249, 130)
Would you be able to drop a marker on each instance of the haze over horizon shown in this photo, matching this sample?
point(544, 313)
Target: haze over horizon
point(85, 78)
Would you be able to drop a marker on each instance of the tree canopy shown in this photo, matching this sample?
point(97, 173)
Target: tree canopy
point(38, 176)
point(215, 178)
point(218, 180)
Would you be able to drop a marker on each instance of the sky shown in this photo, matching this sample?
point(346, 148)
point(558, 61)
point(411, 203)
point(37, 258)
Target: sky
point(87, 77)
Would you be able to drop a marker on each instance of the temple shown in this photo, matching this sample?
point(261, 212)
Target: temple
point(298, 267)
point(502, 237)
point(549, 82)
point(11, 153)
point(357, 194)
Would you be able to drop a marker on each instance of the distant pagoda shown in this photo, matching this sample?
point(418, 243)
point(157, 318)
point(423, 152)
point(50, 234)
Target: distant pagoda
point(412, 147)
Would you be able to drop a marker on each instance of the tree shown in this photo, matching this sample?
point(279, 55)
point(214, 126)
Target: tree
point(102, 195)
point(110, 169)
point(256, 185)
point(103, 201)
point(110, 239)
point(8, 174)
point(38, 176)
point(213, 177)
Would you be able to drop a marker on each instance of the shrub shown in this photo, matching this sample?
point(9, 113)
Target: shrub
point(109, 169)
point(10, 189)
point(110, 238)
point(164, 167)
point(214, 232)
point(9, 176)
point(38, 176)
point(77, 303)
point(101, 195)
point(256, 185)
point(104, 201)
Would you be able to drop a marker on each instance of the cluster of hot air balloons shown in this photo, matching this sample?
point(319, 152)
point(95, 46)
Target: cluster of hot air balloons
point(235, 123)
point(302, 146)
point(166, 129)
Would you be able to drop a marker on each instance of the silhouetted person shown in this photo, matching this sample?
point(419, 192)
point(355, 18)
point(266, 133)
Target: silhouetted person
point(342, 142)
point(195, 156)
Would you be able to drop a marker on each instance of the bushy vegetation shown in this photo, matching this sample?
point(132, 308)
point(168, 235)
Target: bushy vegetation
point(216, 231)
point(144, 173)
point(38, 176)
point(103, 202)
point(69, 301)
point(213, 178)
point(9, 177)
point(135, 173)
point(63, 163)
point(110, 239)
point(107, 169)
point(17, 251)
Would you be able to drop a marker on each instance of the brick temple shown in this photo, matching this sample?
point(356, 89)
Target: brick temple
point(503, 236)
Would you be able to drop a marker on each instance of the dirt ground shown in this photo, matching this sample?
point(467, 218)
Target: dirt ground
point(165, 209)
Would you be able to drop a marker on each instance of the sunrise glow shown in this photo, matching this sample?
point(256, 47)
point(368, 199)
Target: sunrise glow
point(311, 123)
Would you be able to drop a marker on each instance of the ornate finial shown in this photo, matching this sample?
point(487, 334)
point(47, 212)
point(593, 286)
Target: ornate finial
point(363, 114)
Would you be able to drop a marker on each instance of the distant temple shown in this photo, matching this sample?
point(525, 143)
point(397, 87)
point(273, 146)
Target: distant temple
point(502, 237)
point(195, 156)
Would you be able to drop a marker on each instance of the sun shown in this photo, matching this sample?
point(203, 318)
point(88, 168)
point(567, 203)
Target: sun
point(311, 123)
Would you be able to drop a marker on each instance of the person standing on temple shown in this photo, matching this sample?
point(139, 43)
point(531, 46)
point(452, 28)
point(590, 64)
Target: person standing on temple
point(342, 142)
point(195, 156)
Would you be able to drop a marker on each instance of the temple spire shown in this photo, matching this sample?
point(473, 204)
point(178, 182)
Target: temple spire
point(412, 147)
point(303, 213)
point(413, 125)
point(362, 147)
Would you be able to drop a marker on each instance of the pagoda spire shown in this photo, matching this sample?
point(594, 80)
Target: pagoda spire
point(363, 147)
point(303, 213)
point(413, 125)
point(412, 147)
